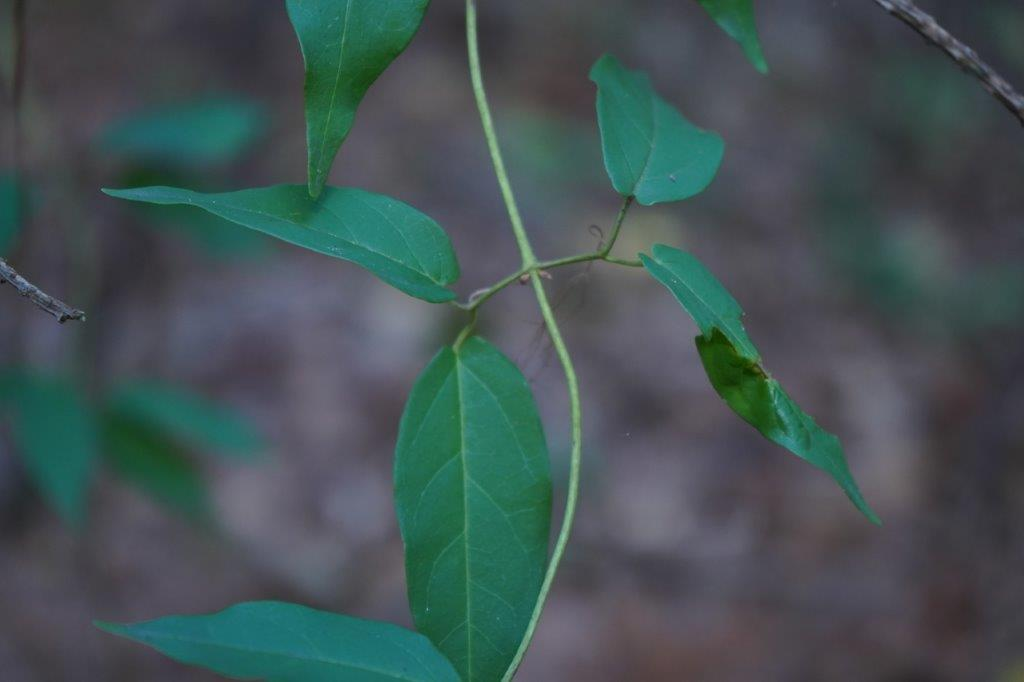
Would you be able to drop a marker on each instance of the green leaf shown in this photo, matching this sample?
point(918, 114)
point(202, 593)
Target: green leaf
point(210, 131)
point(473, 494)
point(708, 302)
point(734, 367)
point(215, 237)
point(394, 241)
point(736, 17)
point(187, 417)
point(347, 45)
point(56, 434)
point(146, 458)
point(650, 150)
point(279, 642)
point(12, 204)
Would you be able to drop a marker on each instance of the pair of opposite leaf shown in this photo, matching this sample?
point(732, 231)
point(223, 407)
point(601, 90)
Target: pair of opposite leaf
point(472, 479)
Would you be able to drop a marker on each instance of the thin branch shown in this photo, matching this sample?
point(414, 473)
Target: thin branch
point(618, 226)
point(925, 24)
point(60, 310)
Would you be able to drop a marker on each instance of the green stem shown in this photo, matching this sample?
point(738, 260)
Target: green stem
point(627, 262)
point(574, 470)
point(529, 262)
point(482, 296)
point(480, 93)
point(602, 254)
point(617, 228)
point(466, 331)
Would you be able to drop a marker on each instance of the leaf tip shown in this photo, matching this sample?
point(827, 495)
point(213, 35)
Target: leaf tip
point(857, 498)
point(111, 628)
point(129, 193)
point(604, 61)
point(755, 55)
point(868, 512)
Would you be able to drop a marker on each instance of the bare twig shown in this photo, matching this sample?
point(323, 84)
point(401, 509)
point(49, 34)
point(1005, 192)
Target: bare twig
point(60, 310)
point(925, 24)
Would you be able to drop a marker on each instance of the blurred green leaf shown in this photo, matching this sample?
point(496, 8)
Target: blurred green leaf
point(908, 269)
point(347, 45)
point(394, 241)
point(552, 154)
point(146, 458)
point(939, 108)
point(473, 494)
point(1006, 22)
point(650, 150)
point(986, 299)
point(210, 131)
point(734, 367)
point(12, 204)
point(56, 434)
point(187, 417)
point(736, 17)
point(279, 642)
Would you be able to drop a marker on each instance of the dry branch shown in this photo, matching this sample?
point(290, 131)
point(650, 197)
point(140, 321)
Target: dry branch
point(926, 25)
point(60, 310)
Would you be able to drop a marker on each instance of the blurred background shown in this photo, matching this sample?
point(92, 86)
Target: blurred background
point(244, 395)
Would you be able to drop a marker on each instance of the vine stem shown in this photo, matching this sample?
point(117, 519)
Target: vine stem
point(530, 267)
point(476, 75)
point(616, 229)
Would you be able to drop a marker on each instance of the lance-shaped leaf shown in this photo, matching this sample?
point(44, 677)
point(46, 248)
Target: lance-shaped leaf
point(57, 436)
point(736, 17)
point(347, 45)
point(734, 367)
point(146, 458)
point(213, 236)
point(473, 493)
point(651, 151)
point(394, 241)
point(186, 417)
point(279, 642)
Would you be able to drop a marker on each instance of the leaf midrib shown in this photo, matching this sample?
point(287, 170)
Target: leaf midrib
point(465, 509)
point(652, 99)
point(353, 244)
point(334, 92)
point(720, 321)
